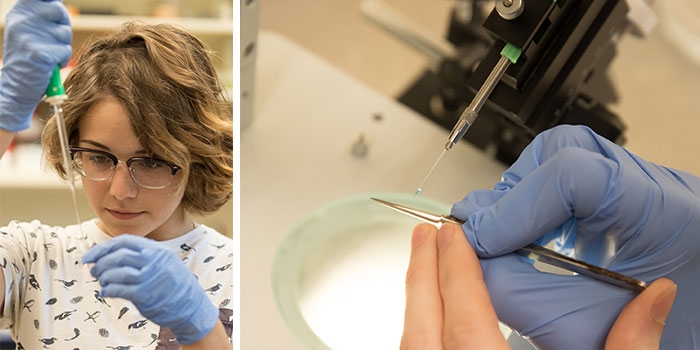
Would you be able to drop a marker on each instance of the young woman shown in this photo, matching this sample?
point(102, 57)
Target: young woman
point(150, 135)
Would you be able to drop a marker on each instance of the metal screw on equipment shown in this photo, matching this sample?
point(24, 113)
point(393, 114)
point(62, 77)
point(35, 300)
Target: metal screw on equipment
point(510, 9)
point(360, 146)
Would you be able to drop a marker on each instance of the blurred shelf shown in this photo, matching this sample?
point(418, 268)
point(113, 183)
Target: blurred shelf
point(198, 26)
point(24, 167)
point(216, 33)
point(210, 20)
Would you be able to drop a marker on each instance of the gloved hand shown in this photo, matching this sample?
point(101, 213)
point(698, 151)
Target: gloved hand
point(448, 306)
point(156, 281)
point(608, 207)
point(37, 38)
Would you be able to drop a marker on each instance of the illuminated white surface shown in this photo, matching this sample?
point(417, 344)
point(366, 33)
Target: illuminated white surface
point(295, 158)
point(357, 301)
point(340, 272)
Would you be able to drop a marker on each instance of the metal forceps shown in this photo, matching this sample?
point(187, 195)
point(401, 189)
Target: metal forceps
point(535, 252)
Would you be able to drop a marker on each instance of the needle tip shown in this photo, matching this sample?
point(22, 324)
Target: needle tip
point(417, 191)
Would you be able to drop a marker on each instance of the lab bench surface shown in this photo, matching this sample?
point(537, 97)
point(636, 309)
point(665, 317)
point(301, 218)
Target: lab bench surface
point(296, 156)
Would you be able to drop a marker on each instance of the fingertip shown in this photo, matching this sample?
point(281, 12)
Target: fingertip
point(88, 257)
point(95, 272)
point(104, 293)
point(470, 318)
point(641, 323)
point(445, 234)
point(664, 300)
point(113, 290)
point(423, 313)
point(96, 252)
point(420, 234)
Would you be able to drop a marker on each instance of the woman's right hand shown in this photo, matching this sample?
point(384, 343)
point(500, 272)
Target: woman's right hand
point(37, 38)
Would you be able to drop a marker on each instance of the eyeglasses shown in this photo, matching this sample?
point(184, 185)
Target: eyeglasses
point(97, 165)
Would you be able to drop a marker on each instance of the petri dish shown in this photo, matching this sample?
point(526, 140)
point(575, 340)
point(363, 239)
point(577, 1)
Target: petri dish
point(339, 275)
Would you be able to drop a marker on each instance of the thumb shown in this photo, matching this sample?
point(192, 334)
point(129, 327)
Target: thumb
point(641, 322)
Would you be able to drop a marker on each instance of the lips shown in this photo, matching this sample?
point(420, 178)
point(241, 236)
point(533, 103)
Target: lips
point(123, 214)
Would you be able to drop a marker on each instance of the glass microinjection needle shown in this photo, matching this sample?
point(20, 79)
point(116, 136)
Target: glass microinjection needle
point(55, 96)
point(509, 55)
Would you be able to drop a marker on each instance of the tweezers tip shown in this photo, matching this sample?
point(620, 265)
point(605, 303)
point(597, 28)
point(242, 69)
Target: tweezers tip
point(381, 201)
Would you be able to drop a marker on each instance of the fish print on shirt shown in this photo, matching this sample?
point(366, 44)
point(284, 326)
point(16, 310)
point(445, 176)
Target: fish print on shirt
point(123, 311)
point(154, 338)
point(67, 295)
point(185, 248)
point(76, 333)
point(67, 284)
point(48, 341)
point(92, 316)
point(223, 268)
point(138, 324)
point(212, 290)
point(100, 298)
point(64, 315)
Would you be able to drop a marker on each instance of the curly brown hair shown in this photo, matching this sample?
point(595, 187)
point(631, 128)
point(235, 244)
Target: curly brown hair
point(165, 79)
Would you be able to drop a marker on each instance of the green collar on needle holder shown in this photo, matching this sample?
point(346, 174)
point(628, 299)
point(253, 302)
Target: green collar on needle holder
point(511, 52)
point(55, 93)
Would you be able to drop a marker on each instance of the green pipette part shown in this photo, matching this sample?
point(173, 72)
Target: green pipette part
point(55, 85)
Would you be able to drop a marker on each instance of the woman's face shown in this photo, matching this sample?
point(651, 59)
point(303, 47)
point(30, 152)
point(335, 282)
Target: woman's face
point(122, 205)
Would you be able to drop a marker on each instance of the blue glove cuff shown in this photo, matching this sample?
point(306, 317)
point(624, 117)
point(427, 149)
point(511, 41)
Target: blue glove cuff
point(199, 324)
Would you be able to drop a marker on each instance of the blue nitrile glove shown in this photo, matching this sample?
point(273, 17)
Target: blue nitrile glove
point(156, 281)
point(37, 38)
point(610, 207)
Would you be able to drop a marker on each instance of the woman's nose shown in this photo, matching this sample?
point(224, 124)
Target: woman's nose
point(122, 186)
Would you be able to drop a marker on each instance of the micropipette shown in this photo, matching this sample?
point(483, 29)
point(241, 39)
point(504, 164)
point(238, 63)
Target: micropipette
point(509, 54)
point(55, 96)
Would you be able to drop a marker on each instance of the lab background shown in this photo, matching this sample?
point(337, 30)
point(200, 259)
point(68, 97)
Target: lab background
point(322, 129)
point(656, 80)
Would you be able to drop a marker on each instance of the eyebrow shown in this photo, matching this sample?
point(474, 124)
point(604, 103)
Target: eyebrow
point(105, 148)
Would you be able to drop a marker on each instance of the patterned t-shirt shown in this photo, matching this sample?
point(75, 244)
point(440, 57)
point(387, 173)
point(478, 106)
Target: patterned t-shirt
point(52, 301)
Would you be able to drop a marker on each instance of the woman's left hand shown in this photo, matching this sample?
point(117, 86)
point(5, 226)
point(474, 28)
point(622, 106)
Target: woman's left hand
point(156, 281)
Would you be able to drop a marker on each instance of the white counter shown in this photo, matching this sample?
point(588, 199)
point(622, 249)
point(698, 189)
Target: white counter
point(296, 156)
